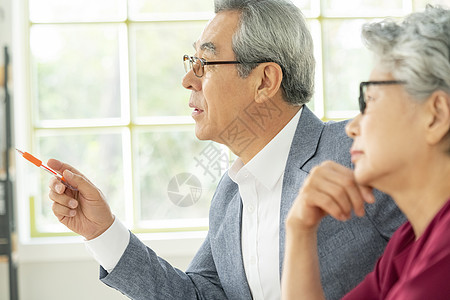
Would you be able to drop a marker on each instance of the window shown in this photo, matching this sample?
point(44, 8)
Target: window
point(105, 96)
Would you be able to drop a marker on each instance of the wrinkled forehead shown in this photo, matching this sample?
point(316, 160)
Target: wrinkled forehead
point(216, 38)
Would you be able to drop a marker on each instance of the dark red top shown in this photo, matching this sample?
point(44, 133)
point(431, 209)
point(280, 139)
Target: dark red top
point(412, 269)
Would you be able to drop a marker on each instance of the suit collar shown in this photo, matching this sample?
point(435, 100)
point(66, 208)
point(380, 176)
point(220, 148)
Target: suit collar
point(304, 146)
point(306, 138)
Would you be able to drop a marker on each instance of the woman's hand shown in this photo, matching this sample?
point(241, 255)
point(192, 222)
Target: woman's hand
point(330, 189)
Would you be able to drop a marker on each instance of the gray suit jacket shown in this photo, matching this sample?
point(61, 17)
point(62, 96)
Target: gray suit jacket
point(347, 250)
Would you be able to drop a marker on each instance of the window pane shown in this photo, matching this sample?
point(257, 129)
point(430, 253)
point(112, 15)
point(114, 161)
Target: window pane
point(98, 155)
point(310, 9)
point(316, 102)
point(346, 63)
point(76, 71)
point(77, 10)
point(165, 162)
point(311, 104)
point(363, 7)
point(157, 69)
point(419, 5)
point(303, 4)
point(150, 9)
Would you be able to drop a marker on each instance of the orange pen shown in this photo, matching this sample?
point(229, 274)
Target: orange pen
point(39, 164)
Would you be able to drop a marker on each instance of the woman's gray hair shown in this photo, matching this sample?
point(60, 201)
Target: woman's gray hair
point(416, 51)
point(274, 31)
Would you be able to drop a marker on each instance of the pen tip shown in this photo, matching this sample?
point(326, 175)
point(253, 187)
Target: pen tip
point(19, 151)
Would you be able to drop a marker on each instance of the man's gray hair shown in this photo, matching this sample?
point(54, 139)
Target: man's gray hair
point(416, 50)
point(274, 31)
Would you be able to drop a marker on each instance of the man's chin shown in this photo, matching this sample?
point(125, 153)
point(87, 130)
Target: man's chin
point(201, 134)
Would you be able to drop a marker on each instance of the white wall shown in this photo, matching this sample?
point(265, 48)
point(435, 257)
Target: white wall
point(68, 280)
point(5, 22)
point(66, 271)
point(74, 280)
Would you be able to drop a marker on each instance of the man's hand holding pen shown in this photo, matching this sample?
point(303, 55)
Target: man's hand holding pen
point(85, 211)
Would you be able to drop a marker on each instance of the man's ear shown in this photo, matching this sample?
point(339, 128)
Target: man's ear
point(269, 81)
point(438, 122)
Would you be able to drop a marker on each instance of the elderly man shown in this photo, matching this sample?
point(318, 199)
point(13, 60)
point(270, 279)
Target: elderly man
point(250, 77)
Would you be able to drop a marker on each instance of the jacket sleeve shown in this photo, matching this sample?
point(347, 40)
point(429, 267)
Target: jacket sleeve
point(141, 274)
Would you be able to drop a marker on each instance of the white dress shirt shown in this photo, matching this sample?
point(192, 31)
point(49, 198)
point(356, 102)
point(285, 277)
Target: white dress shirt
point(260, 183)
point(107, 249)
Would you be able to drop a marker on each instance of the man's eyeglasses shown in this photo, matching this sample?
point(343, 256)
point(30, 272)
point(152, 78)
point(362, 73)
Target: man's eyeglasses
point(198, 64)
point(363, 87)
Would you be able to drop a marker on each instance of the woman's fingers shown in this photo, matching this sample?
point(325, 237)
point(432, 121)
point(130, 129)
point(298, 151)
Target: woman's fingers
point(332, 188)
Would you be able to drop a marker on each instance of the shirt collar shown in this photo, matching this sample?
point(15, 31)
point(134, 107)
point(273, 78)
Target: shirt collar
point(269, 164)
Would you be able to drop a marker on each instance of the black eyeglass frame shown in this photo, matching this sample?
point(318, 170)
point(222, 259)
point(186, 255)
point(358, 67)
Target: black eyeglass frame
point(204, 63)
point(362, 100)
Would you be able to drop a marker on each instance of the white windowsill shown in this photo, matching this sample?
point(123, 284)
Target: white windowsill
point(176, 244)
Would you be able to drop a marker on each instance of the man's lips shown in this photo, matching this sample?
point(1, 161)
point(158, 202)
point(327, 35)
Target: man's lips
point(196, 111)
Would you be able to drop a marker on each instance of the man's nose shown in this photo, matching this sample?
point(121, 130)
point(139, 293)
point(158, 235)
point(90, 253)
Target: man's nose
point(191, 82)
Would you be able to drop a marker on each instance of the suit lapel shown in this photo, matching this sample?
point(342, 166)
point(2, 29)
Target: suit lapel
point(229, 238)
point(303, 147)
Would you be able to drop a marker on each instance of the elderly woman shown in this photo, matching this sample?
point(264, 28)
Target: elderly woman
point(402, 147)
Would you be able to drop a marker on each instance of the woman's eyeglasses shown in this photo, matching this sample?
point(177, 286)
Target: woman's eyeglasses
point(363, 87)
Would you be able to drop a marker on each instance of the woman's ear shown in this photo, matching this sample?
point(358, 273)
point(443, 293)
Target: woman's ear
point(438, 124)
point(269, 83)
